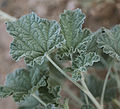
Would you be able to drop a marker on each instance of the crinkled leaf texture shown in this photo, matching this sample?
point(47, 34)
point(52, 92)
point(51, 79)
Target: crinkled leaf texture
point(109, 40)
point(85, 59)
point(33, 38)
point(22, 83)
point(71, 28)
point(81, 63)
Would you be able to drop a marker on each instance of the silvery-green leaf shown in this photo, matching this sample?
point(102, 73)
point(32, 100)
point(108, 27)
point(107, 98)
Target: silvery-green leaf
point(84, 60)
point(71, 28)
point(33, 38)
point(109, 40)
point(5, 91)
point(22, 83)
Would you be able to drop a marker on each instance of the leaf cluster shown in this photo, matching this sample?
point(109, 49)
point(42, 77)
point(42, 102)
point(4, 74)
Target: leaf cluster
point(35, 38)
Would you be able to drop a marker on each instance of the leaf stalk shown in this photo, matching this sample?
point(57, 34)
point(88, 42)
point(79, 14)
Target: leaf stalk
point(37, 98)
point(85, 90)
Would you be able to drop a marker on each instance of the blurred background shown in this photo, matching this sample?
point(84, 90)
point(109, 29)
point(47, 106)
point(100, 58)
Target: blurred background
point(99, 13)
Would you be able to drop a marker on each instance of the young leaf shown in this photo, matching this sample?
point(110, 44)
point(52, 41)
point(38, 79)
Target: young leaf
point(22, 83)
point(109, 40)
point(33, 38)
point(71, 28)
point(84, 60)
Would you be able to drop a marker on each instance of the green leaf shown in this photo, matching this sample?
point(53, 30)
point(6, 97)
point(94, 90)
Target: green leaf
point(23, 82)
point(109, 40)
point(5, 91)
point(33, 38)
point(49, 94)
point(84, 60)
point(29, 103)
point(71, 28)
point(50, 106)
point(87, 107)
point(92, 45)
point(95, 85)
point(111, 90)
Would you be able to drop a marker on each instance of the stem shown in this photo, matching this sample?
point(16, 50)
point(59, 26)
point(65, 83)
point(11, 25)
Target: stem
point(86, 99)
point(37, 98)
point(117, 103)
point(84, 84)
point(67, 89)
point(104, 86)
point(6, 17)
point(74, 82)
point(73, 96)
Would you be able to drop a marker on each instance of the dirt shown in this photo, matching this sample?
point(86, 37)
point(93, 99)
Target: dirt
point(97, 15)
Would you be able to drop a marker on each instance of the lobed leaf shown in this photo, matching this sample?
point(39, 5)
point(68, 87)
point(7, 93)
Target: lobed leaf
point(22, 83)
point(84, 60)
point(33, 38)
point(109, 40)
point(71, 28)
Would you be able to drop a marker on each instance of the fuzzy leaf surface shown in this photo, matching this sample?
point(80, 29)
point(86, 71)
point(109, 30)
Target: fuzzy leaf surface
point(85, 59)
point(22, 83)
point(71, 28)
point(109, 40)
point(33, 38)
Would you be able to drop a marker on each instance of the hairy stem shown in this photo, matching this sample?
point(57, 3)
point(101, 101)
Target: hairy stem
point(104, 86)
point(6, 17)
point(87, 92)
point(84, 85)
point(37, 98)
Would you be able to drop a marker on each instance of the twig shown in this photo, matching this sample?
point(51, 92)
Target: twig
point(104, 86)
point(6, 17)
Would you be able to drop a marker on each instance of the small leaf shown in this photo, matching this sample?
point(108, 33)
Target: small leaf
point(84, 60)
point(71, 28)
point(76, 75)
point(33, 38)
point(109, 40)
point(50, 106)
